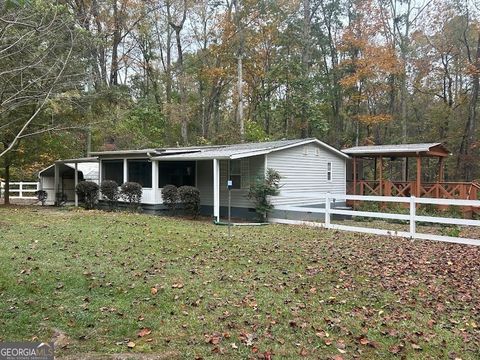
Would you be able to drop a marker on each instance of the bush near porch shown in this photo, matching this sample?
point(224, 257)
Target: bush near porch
point(100, 282)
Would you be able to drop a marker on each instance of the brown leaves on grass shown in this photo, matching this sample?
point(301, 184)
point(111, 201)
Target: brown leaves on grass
point(144, 332)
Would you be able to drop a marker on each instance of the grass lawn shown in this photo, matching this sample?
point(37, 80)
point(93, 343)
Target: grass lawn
point(101, 283)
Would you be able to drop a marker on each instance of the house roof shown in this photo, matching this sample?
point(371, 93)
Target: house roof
point(124, 152)
point(236, 151)
point(425, 149)
point(88, 169)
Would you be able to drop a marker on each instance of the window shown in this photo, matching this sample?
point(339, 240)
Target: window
point(113, 170)
point(329, 171)
point(236, 173)
point(305, 150)
point(176, 173)
point(317, 151)
point(140, 171)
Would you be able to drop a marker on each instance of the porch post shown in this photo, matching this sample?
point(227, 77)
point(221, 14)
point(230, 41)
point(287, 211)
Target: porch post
point(216, 189)
point(406, 169)
point(419, 175)
point(155, 180)
point(76, 183)
point(56, 182)
point(381, 175)
point(354, 175)
point(100, 175)
point(441, 171)
point(125, 171)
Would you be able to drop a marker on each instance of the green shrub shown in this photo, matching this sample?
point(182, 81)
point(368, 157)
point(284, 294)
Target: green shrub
point(368, 206)
point(452, 230)
point(131, 192)
point(109, 189)
point(41, 196)
point(88, 193)
point(427, 210)
point(261, 190)
point(170, 197)
point(190, 198)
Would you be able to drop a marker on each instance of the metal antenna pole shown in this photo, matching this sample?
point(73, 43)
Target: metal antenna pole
point(229, 212)
point(229, 201)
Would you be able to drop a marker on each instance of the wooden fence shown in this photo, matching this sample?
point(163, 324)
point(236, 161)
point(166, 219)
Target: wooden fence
point(412, 217)
point(21, 189)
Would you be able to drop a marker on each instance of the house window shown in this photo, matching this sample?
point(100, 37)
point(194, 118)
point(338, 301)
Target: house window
point(305, 150)
point(236, 173)
point(178, 173)
point(329, 171)
point(140, 171)
point(317, 151)
point(113, 170)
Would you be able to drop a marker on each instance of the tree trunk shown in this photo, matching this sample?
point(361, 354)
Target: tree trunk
point(468, 140)
point(168, 70)
point(305, 61)
point(99, 51)
point(181, 75)
point(117, 37)
point(240, 50)
point(6, 194)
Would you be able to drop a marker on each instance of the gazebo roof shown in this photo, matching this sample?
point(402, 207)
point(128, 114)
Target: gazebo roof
point(401, 150)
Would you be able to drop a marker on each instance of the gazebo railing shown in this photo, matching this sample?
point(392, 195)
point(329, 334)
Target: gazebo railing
point(442, 190)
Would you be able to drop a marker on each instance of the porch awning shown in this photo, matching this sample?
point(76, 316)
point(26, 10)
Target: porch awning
point(401, 150)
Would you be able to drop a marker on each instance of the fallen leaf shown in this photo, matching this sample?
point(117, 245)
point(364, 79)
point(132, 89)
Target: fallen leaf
point(303, 352)
point(131, 345)
point(154, 291)
point(416, 347)
point(364, 341)
point(144, 332)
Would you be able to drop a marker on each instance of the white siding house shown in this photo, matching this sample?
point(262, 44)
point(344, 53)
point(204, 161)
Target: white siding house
point(307, 171)
point(308, 168)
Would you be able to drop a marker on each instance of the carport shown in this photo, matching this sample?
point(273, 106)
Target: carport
point(60, 179)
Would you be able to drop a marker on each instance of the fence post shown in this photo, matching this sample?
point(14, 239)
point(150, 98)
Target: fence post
point(413, 210)
point(327, 210)
point(20, 189)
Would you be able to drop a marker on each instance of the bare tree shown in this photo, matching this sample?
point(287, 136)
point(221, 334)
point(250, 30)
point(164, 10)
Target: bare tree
point(36, 48)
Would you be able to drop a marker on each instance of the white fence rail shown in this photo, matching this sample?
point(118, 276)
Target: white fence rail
point(20, 189)
point(412, 218)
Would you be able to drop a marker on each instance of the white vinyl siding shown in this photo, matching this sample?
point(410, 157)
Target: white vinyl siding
point(307, 174)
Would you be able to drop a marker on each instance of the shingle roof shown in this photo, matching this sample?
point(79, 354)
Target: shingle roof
point(234, 151)
point(392, 149)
